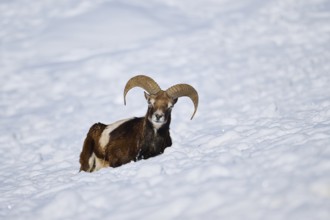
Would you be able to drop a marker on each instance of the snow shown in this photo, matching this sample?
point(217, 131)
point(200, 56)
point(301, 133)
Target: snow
point(258, 147)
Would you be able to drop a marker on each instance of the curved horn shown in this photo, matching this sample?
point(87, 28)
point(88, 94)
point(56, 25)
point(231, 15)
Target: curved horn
point(142, 81)
point(180, 90)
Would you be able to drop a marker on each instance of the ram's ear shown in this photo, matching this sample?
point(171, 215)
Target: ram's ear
point(175, 100)
point(147, 96)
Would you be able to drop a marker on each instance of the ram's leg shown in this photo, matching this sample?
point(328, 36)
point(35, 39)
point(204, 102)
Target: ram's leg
point(86, 159)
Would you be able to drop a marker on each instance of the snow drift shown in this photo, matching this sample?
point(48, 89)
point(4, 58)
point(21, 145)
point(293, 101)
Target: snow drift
point(258, 147)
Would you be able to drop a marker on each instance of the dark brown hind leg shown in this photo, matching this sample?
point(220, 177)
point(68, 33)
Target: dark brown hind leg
point(86, 153)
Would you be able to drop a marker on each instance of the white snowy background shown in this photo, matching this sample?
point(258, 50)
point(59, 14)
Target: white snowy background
point(258, 147)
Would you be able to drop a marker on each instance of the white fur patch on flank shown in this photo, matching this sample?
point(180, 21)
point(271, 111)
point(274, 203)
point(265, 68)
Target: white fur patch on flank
point(105, 136)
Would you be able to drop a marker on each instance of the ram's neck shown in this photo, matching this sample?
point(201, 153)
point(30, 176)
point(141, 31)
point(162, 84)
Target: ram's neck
point(154, 141)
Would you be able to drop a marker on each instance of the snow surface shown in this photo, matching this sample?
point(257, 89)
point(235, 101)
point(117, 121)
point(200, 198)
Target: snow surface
point(258, 147)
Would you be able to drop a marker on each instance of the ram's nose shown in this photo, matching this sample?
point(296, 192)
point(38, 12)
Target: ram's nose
point(158, 116)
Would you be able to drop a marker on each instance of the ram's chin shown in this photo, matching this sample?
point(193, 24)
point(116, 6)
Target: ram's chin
point(157, 124)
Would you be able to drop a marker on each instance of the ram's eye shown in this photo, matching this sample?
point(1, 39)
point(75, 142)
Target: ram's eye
point(151, 102)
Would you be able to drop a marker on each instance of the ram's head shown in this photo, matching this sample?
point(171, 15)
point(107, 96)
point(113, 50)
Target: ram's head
point(161, 101)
